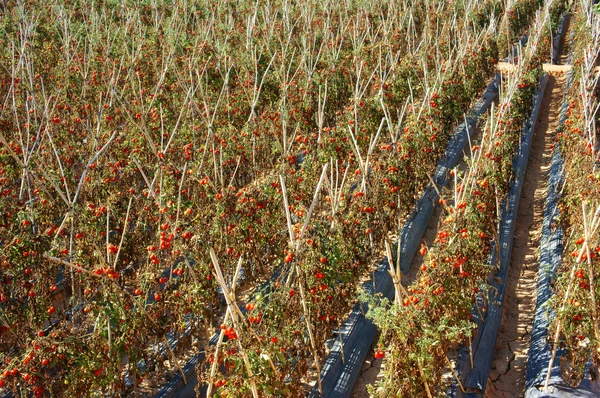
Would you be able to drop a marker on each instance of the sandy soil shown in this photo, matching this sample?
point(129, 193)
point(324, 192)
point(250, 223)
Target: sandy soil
point(565, 42)
point(507, 374)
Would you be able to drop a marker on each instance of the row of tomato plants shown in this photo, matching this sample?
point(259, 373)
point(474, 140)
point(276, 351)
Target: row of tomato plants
point(430, 319)
point(574, 327)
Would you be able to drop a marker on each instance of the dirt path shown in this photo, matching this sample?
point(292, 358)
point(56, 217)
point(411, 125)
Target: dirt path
point(507, 374)
point(565, 42)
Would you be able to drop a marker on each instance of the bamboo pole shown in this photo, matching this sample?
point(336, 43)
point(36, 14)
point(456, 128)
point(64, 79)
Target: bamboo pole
point(235, 312)
point(175, 360)
point(454, 374)
point(422, 373)
point(313, 345)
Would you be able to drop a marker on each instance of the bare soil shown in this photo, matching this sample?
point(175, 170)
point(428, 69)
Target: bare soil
point(565, 42)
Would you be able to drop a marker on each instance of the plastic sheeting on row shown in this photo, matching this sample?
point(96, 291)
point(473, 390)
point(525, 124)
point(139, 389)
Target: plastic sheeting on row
point(487, 333)
point(338, 377)
point(551, 250)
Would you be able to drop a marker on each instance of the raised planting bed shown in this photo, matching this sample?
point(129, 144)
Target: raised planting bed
point(545, 369)
point(485, 340)
point(339, 376)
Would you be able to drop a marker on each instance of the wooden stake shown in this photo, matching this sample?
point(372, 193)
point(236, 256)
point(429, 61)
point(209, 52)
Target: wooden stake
point(175, 359)
point(471, 351)
point(341, 341)
point(235, 312)
point(310, 333)
point(424, 380)
point(454, 374)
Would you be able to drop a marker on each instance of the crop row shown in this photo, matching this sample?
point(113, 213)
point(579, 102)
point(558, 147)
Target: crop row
point(574, 306)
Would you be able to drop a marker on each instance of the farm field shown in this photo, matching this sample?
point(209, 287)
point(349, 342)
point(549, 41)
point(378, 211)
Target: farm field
point(353, 198)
